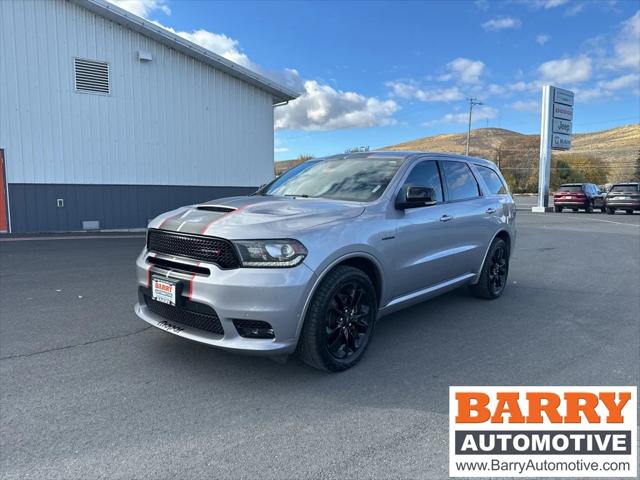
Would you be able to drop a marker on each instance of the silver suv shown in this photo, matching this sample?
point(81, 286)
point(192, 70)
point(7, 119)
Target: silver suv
point(310, 261)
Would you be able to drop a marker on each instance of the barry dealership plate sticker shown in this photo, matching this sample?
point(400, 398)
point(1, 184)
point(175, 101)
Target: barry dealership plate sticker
point(163, 291)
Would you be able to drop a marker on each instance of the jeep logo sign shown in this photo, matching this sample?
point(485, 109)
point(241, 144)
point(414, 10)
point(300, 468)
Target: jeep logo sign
point(561, 126)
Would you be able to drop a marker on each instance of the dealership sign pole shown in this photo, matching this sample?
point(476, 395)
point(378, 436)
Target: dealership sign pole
point(555, 134)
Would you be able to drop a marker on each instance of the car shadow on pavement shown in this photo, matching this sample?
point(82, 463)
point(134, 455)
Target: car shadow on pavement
point(414, 357)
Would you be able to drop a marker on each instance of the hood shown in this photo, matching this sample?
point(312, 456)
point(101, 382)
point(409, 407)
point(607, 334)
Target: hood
point(256, 217)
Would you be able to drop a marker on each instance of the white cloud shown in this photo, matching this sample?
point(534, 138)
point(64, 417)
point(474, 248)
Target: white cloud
point(547, 4)
point(627, 44)
point(322, 107)
point(526, 106)
point(608, 88)
point(466, 70)
point(218, 43)
point(494, 89)
point(479, 113)
point(143, 8)
point(566, 71)
point(542, 38)
point(280, 150)
point(521, 86)
point(461, 72)
point(575, 9)
point(503, 23)
point(411, 90)
point(625, 81)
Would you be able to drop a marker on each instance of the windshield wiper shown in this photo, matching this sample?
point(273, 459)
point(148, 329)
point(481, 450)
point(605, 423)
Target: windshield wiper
point(304, 195)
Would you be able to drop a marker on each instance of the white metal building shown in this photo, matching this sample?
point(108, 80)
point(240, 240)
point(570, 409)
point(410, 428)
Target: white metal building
point(107, 118)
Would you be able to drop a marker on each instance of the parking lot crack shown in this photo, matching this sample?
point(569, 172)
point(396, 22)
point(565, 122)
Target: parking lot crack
point(67, 347)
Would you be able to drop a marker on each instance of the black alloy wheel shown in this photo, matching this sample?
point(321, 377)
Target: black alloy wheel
point(340, 320)
point(493, 277)
point(348, 321)
point(498, 270)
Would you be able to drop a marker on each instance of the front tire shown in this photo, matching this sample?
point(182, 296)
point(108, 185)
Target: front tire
point(611, 211)
point(493, 277)
point(558, 209)
point(629, 212)
point(340, 320)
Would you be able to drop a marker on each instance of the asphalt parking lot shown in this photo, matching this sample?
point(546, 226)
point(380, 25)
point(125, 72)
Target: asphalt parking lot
point(89, 391)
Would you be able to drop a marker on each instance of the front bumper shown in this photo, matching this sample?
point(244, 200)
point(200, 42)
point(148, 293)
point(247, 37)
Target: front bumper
point(274, 295)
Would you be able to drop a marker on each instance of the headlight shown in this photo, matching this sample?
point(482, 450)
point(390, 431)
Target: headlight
point(270, 253)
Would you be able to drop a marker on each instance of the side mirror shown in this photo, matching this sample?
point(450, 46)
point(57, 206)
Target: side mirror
point(412, 196)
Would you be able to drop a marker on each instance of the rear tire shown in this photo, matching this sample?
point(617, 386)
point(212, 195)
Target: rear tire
point(611, 211)
point(558, 209)
point(603, 209)
point(629, 212)
point(574, 209)
point(493, 277)
point(340, 321)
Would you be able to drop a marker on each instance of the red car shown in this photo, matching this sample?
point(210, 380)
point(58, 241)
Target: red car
point(577, 196)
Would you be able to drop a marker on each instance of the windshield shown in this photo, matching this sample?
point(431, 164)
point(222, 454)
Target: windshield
point(276, 182)
point(355, 179)
point(570, 188)
point(624, 188)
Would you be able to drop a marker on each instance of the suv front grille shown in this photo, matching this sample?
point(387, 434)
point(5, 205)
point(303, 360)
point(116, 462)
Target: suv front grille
point(197, 247)
point(192, 314)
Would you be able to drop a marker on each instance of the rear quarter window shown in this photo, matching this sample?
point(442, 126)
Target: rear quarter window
point(492, 180)
point(461, 184)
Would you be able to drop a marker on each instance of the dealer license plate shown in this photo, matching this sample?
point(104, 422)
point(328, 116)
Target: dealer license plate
point(163, 291)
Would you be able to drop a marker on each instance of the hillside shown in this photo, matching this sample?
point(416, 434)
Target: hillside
point(616, 147)
point(483, 140)
point(621, 143)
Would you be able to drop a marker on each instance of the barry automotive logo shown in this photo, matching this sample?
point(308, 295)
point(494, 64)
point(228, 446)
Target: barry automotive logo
point(543, 432)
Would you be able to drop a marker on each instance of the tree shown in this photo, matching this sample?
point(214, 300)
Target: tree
point(518, 161)
point(577, 168)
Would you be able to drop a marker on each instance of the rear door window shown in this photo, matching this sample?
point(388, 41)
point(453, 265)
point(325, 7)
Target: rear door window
point(426, 174)
point(492, 180)
point(461, 184)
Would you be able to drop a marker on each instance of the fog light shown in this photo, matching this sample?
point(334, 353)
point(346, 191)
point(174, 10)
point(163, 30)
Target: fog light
point(253, 329)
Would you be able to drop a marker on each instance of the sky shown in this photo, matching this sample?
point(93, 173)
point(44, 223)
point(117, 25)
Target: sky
point(376, 73)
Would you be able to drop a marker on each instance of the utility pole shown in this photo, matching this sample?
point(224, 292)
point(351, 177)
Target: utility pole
point(472, 102)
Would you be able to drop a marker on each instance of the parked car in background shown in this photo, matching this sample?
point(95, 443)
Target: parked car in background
point(310, 261)
point(576, 196)
point(623, 196)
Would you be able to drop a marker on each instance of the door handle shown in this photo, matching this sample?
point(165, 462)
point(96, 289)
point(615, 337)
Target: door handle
point(490, 211)
point(446, 218)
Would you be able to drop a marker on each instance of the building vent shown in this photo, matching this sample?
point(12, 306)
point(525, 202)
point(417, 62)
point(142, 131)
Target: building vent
point(91, 76)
